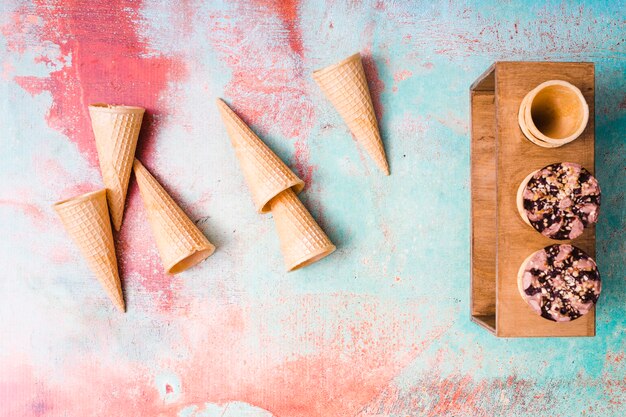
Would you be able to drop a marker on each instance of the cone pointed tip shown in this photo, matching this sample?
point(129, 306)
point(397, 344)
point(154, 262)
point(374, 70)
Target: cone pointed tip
point(384, 166)
point(116, 211)
point(221, 104)
point(118, 300)
point(137, 164)
point(224, 108)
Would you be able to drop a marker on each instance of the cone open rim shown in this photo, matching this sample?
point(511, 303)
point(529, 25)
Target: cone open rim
point(539, 102)
point(337, 64)
point(297, 186)
point(114, 108)
point(312, 258)
point(191, 259)
point(80, 198)
point(521, 120)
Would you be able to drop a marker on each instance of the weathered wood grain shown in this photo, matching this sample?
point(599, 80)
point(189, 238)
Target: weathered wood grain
point(501, 159)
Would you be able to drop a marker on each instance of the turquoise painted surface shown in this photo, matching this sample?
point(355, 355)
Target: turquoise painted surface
point(379, 328)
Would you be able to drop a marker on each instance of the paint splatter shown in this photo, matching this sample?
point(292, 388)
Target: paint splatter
point(287, 10)
point(269, 92)
point(360, 340)
point(436, 395)
point(400, 76)
point(30, 210)
point(302, 154)
point(375, 83)
point(112, 64)
point(347, 365)
point(139, 259)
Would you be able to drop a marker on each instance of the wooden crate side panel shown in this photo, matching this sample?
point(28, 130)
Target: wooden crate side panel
point(483, 180)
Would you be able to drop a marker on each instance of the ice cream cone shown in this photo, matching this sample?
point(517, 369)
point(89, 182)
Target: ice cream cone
point(179, 241)
point(555, 113)
point(265, 174)
point(116, 129)
point(521, 119)
point(302, 240)
point(345, 85)
point(86, 219)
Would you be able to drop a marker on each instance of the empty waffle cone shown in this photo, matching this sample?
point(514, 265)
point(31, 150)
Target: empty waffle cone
point(86, 219)
point(302, 240)
point(521, 120)
point(116, 129)
point(265, 174)
point(179, 241)
point(345, 85)
point(555, 113)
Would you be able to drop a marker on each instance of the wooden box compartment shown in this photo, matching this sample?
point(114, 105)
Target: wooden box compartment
point(501, 157)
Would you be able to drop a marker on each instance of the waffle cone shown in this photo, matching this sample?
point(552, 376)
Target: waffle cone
point(179, 241)
point(302, 240)
point(560, 108)
point(86, 219)
point(345, 85)
point(523, 124)
point(265, 174)
point(116, 129)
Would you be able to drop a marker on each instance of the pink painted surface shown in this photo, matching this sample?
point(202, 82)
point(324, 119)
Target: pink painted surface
point(376, 329)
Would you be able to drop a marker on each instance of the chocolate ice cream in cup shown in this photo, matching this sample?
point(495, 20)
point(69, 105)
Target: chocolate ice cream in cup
point(559, 200)
point(559, 282)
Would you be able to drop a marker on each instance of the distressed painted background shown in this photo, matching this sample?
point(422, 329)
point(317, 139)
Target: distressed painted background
point(381, 327)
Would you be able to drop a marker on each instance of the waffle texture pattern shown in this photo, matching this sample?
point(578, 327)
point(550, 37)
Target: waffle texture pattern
point(179, 241)
point(265, 174)
point(86, 219)
point(116, 129)
point(345, 85)
point(302, 240)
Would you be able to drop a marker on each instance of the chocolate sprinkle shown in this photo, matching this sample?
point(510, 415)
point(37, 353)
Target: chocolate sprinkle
point(561, 282)
point(561, 200)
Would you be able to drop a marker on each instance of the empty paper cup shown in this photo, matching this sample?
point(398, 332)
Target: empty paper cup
point(553, 113)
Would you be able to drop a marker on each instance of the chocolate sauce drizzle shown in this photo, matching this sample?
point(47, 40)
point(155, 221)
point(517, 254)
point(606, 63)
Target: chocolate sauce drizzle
point(574, 278)
point(546, 207)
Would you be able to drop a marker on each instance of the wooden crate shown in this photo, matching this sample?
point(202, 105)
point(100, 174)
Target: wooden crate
point(501, 157)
